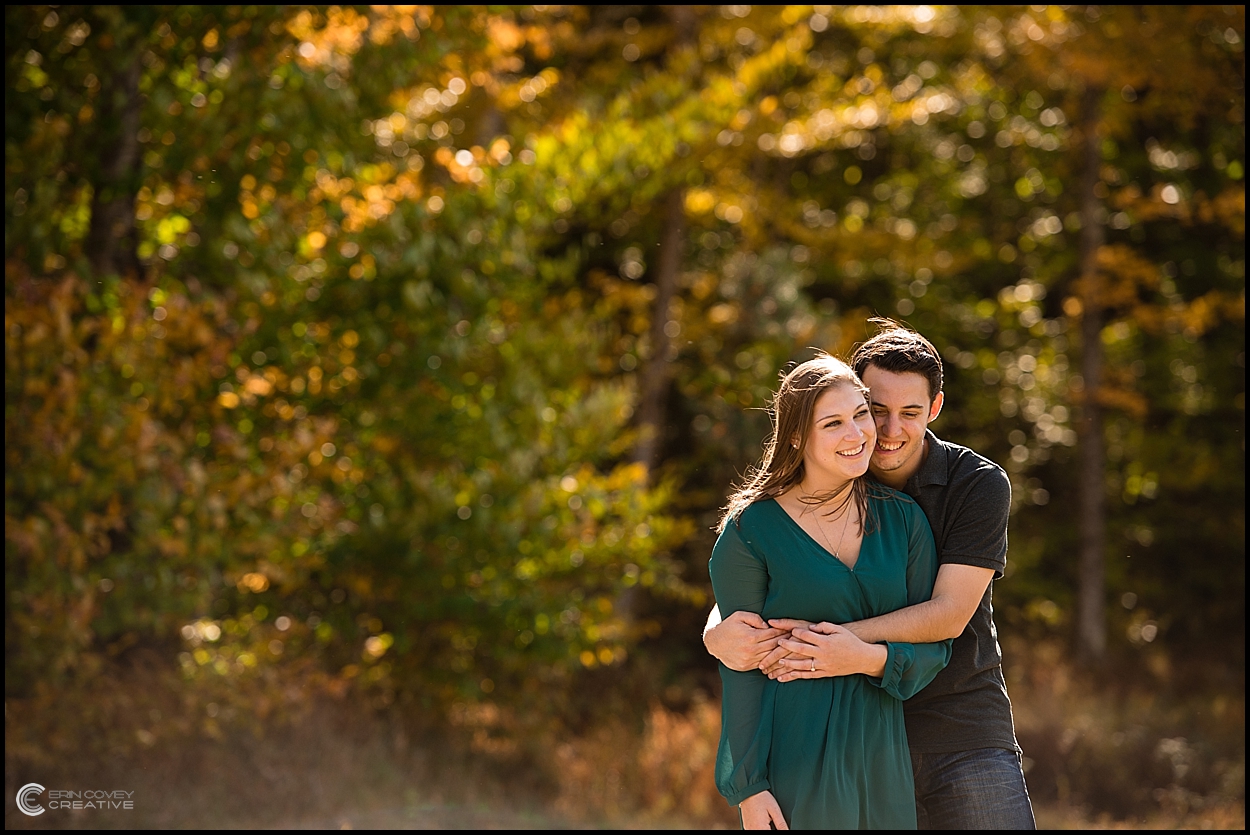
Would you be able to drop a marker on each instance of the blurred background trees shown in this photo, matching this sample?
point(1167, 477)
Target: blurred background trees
point(411, 351)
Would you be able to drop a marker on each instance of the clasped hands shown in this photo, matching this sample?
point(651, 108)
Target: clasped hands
point(786, 649)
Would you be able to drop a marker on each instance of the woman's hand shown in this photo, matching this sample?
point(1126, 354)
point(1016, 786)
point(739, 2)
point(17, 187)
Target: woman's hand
point(761, 810)
point(771, 666)
point(826, 649)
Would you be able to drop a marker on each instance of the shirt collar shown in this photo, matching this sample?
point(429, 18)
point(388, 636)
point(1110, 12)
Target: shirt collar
point(935, 469)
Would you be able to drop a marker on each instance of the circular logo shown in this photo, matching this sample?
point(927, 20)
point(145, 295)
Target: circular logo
point(25, 801)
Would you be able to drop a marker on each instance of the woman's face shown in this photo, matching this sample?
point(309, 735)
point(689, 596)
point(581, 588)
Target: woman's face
point(840, 440)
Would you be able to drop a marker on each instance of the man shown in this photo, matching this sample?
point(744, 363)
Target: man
point(965, 757)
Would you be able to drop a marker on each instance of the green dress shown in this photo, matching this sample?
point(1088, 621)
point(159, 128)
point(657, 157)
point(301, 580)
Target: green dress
point(833, 751)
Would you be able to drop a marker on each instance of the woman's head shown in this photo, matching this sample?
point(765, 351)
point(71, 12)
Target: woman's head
point(798, 424)
point(799, 434)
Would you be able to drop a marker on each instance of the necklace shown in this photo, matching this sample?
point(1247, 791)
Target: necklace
point(846, 523)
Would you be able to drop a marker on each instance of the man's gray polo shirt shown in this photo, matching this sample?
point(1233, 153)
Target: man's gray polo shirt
point(967, 499)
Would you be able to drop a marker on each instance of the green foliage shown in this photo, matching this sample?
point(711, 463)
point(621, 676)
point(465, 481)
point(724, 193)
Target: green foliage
point(420, 459)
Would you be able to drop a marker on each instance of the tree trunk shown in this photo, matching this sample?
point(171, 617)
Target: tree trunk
point(657, 373)
point(110, 238)
point(1091, 616)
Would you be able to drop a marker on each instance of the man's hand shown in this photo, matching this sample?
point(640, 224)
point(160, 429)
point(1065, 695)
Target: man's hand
point(826, 649)
point(790, 624)
point(742, 640)
point(760, 810)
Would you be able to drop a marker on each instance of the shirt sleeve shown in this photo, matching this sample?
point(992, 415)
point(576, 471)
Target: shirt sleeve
point(910, 667)
point(740, 582)
point(976, 530)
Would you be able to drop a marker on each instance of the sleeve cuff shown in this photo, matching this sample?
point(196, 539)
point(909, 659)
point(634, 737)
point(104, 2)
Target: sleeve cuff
point(893, 675)
point(976, 561)
point(751, 790)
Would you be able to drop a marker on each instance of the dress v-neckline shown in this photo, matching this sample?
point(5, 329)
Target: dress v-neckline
point(824, 549)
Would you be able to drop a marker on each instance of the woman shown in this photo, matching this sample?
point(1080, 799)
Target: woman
point(807, 537)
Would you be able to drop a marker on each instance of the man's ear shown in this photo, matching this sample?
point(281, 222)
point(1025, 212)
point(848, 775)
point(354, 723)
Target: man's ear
point(936, 407)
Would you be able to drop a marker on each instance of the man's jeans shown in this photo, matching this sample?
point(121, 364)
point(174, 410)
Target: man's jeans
point(979, 789)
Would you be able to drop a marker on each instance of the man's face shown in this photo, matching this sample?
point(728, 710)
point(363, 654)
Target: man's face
point(901, 409)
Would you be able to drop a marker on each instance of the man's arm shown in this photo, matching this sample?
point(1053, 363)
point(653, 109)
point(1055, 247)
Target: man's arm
point(973, 551)
point(956, 594)
point(977, 535)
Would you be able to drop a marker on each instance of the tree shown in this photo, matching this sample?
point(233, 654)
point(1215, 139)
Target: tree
point(312, 377)
point(1132, 81)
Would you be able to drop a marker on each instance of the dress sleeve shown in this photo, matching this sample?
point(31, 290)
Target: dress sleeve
point(909, 667)
point(740, 582)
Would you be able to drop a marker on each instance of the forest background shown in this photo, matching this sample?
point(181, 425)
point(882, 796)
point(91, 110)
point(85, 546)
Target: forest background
point(374, 376)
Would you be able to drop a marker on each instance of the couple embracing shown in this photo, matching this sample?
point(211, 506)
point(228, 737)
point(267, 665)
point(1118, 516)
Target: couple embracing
point(863, 684)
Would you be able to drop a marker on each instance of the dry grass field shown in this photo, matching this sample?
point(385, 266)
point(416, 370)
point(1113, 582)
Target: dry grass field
point(334, 766)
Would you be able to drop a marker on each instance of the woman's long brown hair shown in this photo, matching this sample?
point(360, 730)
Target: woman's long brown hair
point(791, 412)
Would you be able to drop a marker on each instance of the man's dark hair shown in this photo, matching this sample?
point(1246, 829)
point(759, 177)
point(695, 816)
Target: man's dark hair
point(899, 349)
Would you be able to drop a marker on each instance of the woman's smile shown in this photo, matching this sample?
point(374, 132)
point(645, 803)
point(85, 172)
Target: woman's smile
point(841, 440)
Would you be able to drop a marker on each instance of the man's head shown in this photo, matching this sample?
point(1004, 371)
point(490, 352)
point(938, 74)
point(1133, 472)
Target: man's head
point(904, 373)
point(902, 351)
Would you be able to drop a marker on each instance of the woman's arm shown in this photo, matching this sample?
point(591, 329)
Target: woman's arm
point(740, 582)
